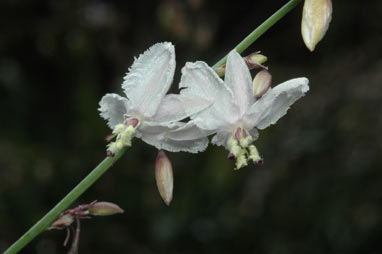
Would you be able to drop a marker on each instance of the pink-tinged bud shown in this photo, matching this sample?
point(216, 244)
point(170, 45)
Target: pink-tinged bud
point(316, 17)
point(164, 177)
point(104, 209)
point(230, 156)
point(261, 83)
point(63, 221)
point(255, 60)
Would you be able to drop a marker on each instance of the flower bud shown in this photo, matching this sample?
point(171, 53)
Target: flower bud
point(255, 60)
point(164, 177)
point(104, 209)
point(316, 17)
point(63, 221)
point(261, 83)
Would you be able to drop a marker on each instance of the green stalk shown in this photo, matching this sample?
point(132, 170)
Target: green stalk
point(97, 172)
point(47, 220)
point(260, 30)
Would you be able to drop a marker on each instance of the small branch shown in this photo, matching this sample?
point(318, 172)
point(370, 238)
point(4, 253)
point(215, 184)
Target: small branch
point(47, 220)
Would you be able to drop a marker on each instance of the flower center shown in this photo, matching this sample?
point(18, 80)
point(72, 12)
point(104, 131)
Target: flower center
point(241, 148)
point(123, 133)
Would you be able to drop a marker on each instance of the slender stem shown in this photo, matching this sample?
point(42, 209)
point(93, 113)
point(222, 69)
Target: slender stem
point(64, 203)
point(260, 30)
point(109, 161)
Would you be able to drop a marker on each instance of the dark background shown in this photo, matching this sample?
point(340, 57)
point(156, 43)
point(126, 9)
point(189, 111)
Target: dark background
point(319, 190)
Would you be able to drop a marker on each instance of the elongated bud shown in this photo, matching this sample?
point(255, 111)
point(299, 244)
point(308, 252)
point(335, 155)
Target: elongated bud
point(316, 17)
point(104, 209)
point(63, 221)
point(164, 177)
point(261, 83)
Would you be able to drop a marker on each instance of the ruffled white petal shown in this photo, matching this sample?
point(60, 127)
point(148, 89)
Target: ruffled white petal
point(238, 78)
point(201, 81)
point(176, 138)
point(221, 138)
point(113, 108)
point(275, 103)
point(149, 78)
point(188, 131)
point(177, 107)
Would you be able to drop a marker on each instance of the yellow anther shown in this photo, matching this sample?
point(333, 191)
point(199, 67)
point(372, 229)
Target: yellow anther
point(241, 159)
point(254, 154)
point(115, 147)
point(127, 135)
point(244, 142)
point(119, 128)
point(234, 147)
point(124, 135)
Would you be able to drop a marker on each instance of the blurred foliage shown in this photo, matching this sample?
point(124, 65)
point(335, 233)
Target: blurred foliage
point(319, 190)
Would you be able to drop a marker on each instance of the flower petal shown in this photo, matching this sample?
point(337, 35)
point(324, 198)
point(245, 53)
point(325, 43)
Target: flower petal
point(177, 107)
point(185, 137)
point(275, 103)
point(221, 138)
point(201, 82)
point(150, 77)
point(188, 131)
point(238, 78)
point(113, 108)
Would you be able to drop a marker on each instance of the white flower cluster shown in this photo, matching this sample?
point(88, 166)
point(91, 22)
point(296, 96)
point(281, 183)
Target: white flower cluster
point(226, 108)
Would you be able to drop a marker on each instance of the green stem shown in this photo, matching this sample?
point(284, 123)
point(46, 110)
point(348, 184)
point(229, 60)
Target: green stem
point(47, 220)
point(260, 30)
point(97, 172)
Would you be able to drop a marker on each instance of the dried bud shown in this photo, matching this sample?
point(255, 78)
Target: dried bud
point(261, 83)
point(164, 177)
point(63, 221)
point(255, 60)
point(316, 17)
point(104, 209)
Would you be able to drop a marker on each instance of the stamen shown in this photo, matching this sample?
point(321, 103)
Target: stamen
point(118, 128)
point(254, 154)
point(123, 133)
point(244, 142)
point(241, 160)
point(234, 147)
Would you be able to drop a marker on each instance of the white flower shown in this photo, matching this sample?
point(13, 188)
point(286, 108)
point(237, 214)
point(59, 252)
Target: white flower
point(147, 112)
point(236, 113)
